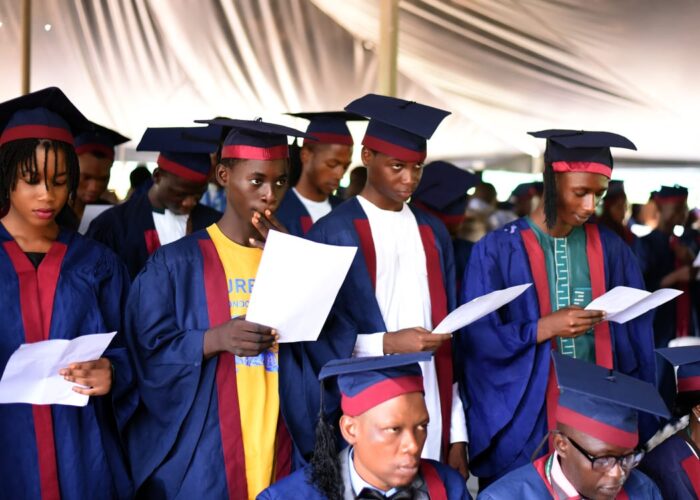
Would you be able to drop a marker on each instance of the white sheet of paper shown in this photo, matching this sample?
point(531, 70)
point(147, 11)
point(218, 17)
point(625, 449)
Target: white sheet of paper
point(623, 303)
point(31, 374)
point(470, 312)
point(91, 212)
point(653, 301)
point(296, 285)
point(696, 262)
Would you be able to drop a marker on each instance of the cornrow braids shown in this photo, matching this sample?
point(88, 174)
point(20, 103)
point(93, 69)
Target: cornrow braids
point(18, 159)
point(550, 196)
point(324, 472)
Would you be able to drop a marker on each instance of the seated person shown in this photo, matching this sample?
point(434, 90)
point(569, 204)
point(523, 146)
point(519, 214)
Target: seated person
point(385, 421)
point(675, 464)
point(596, 441)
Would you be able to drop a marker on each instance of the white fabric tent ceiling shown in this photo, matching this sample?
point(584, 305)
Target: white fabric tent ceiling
point(502, 67)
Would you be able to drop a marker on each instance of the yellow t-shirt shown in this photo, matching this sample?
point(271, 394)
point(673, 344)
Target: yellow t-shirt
point(256, 377)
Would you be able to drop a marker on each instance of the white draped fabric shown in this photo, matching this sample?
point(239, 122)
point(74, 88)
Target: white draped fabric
point(501, 66)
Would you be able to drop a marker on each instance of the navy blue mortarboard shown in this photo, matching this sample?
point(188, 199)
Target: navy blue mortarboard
point(443, 190)
point(329, 127)
point(180, 155)
point(44, 114)
point(527, 190)
point(603, 403)
point(671, 194)
point(615, 191)
point(397, 127)
point(687, 359)
point(367, 382)
point(581, 151)
point(100, 139)
point(255, 139)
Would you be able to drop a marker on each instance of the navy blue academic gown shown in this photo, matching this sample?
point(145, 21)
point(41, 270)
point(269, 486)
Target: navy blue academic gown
point(185, 438)
point(443, 482)
point(129, 230)
point(55, 451)
point(293, 214)
point(675, 317)
point(529, 483)
point(356, 309)
point(674, 468)
point(506, 374)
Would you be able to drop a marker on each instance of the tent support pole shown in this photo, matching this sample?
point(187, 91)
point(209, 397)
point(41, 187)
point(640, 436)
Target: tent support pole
point(388, 46)
point(26, 35)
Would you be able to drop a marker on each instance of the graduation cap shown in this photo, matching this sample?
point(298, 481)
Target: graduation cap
point(581, 151)
point(100, 139)
point(179, 154)
point(443, 190)
point(44, 114)
point(367, 382)
point(603, 403)
point(687, 359)
point(329, 127)
point(527, 190)
point(255, 139)
point(397, 127)
point(616, 190)
point(671, 194)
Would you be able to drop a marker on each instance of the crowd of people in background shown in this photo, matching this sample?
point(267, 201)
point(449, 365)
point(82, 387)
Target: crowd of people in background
point(543, 398)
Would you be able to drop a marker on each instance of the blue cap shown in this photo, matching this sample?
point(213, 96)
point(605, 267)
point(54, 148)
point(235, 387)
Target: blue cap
point(99, 140)
point(329, 127)
point(527, 190)
point(179, 155)
point(616, 190)
point(603, 403)
point(367, 382)
point(44, 114)
point(581, 151)
point(397, 128)
point(443, 190)
point(255, 139)
point(671, 194)
point(687, 359)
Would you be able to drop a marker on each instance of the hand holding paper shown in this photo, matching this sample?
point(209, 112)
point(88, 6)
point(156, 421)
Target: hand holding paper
point(478, 308)
point(32, 372)
point(296, 285)
point(623, 303)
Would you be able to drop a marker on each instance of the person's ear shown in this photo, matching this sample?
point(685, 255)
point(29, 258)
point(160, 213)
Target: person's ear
point(561, 444)
point(366, 155)
point(349, 428)
point(306, 154)
point(696, 412)
point(222, 174)
point(157, 176)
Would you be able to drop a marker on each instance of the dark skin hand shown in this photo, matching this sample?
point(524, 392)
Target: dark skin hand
point(95, 375)
point(263, 223)
point(239, 337)
point(413, 340)
point(569, 322)
point(457, 459)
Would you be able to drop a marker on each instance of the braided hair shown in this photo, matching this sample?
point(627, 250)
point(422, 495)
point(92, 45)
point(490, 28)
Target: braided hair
point(18, 160)
point(550, 196)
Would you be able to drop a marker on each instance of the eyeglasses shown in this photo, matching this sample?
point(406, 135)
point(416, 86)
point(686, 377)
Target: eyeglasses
point(606, 463)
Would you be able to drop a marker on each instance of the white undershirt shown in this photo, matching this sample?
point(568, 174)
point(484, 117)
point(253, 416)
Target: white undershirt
point(404, 300)
point(169, 226)
point(316, 209)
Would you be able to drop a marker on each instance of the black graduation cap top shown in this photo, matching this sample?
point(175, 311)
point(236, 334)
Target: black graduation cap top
point(329, 127)
point(44, 114)
point(99, 139)
point(581, 151)
point(443, 187)
point(182, 156)
point(397, 127)
point(255, 139)
point(687, 359)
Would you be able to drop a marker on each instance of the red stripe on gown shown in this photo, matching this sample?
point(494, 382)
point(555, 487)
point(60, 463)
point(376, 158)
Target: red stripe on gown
point(691, 466)
point(436, 488)
point(152, 240)
point(36, 304)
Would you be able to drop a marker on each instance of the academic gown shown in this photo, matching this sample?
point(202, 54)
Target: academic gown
point(356, 310)
point(63, 451)
point(506, 374)
point(185, 439)
point(440, 481)
point(672, 318)
point(674, 468)
point(129, 230)
point(529, 483)
point(293, 214)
